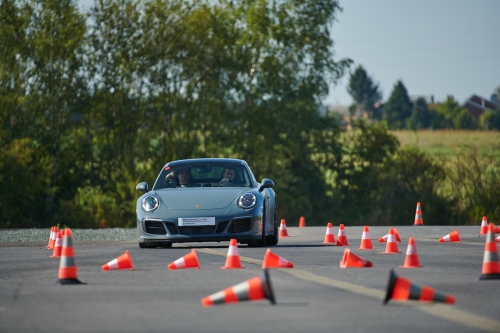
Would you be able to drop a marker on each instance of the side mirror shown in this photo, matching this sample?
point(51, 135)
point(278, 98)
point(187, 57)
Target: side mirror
point(265, 183)
point(143, 187)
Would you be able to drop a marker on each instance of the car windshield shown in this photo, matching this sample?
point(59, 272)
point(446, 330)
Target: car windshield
point(203, 175)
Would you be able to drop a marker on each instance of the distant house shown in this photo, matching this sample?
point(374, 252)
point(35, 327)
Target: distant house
point(476, 105)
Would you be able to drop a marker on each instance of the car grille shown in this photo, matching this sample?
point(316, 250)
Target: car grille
point(172, 228)
point(240, 225)
point(234, 226)
point(154, 227)
point(221, 226)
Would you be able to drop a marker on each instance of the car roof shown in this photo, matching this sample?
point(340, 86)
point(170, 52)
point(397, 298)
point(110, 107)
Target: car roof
point(206, 160)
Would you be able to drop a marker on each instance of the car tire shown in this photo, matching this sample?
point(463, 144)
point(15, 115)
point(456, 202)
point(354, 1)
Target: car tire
point(273, 240)
point(262, 241)
point(154, 245)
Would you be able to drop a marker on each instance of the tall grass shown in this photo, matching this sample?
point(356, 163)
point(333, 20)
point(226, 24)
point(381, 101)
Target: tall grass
point(445, 143)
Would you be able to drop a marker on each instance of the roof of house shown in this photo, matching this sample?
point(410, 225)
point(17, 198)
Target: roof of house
point(476, 105)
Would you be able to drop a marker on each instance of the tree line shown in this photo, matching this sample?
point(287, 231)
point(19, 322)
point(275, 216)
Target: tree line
point(93, 102)
point(400, 112)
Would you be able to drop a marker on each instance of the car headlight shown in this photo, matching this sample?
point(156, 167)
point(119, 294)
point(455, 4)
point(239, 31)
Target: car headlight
point(150, 203)
point(247, 200)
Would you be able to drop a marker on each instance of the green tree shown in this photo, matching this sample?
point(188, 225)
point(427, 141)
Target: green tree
point(464, 120)
point(485, 120)
point(364, 92)
point(21, 181)
point(443, 115)
point(353, 175)
point(14, 19)
point(494, 120)
point(398, 107)
point(420, 116)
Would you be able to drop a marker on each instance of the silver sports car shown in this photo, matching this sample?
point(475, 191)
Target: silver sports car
point(207, 200)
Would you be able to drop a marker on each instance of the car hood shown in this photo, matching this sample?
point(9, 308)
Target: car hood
point(199, 198)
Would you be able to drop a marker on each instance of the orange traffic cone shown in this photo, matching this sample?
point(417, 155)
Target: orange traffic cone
point(484, 226)
point(401, 289)
point(50, 237)
point(272, 260)
point(391, 246)
point(256, 288)
point(329, 237)
point(396, 234)
point(498, 239)
point(496, 231)
point(122, 262)
point(190, 260)
point(411, 260)
point(341, 237)
point(283, 231)
point(451, 237)
point(349, 259)
point(366, 242)
point(302, 222)
point(53, 236)
point(57, 246)
point(491, 263)
point(383, 239)
point(418, 215)
point(67, 266)
point(233, 256)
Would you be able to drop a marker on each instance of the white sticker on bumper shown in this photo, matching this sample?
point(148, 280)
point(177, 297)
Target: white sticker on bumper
point(195, 221)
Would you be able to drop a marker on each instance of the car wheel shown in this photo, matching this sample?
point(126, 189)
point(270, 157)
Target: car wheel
point(150, 245)
point(273, 240)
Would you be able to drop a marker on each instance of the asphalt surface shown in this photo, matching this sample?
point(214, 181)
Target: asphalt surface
point(314, 296)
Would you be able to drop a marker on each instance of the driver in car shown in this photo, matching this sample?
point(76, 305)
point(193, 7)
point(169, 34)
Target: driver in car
point(182, 178)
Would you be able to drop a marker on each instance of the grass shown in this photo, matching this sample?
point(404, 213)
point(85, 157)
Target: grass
point(444, 143)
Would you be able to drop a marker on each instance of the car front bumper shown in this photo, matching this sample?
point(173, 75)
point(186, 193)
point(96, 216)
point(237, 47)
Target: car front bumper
point(245, 229)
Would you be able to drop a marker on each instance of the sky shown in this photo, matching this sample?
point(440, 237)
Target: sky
point(435, 47)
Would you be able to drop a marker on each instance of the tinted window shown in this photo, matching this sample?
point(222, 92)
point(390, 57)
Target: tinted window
point(203, 175)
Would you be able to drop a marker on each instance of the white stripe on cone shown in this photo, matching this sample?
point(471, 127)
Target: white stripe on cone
point(233, 251)
point(180, 263)
point(59, 242)
point(410, 250)
point(282, 262)
point(113, 264)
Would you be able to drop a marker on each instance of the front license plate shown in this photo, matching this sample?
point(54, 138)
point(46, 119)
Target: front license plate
point(195, 221)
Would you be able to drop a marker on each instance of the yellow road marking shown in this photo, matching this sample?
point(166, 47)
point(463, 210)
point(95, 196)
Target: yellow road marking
point(442, 311)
